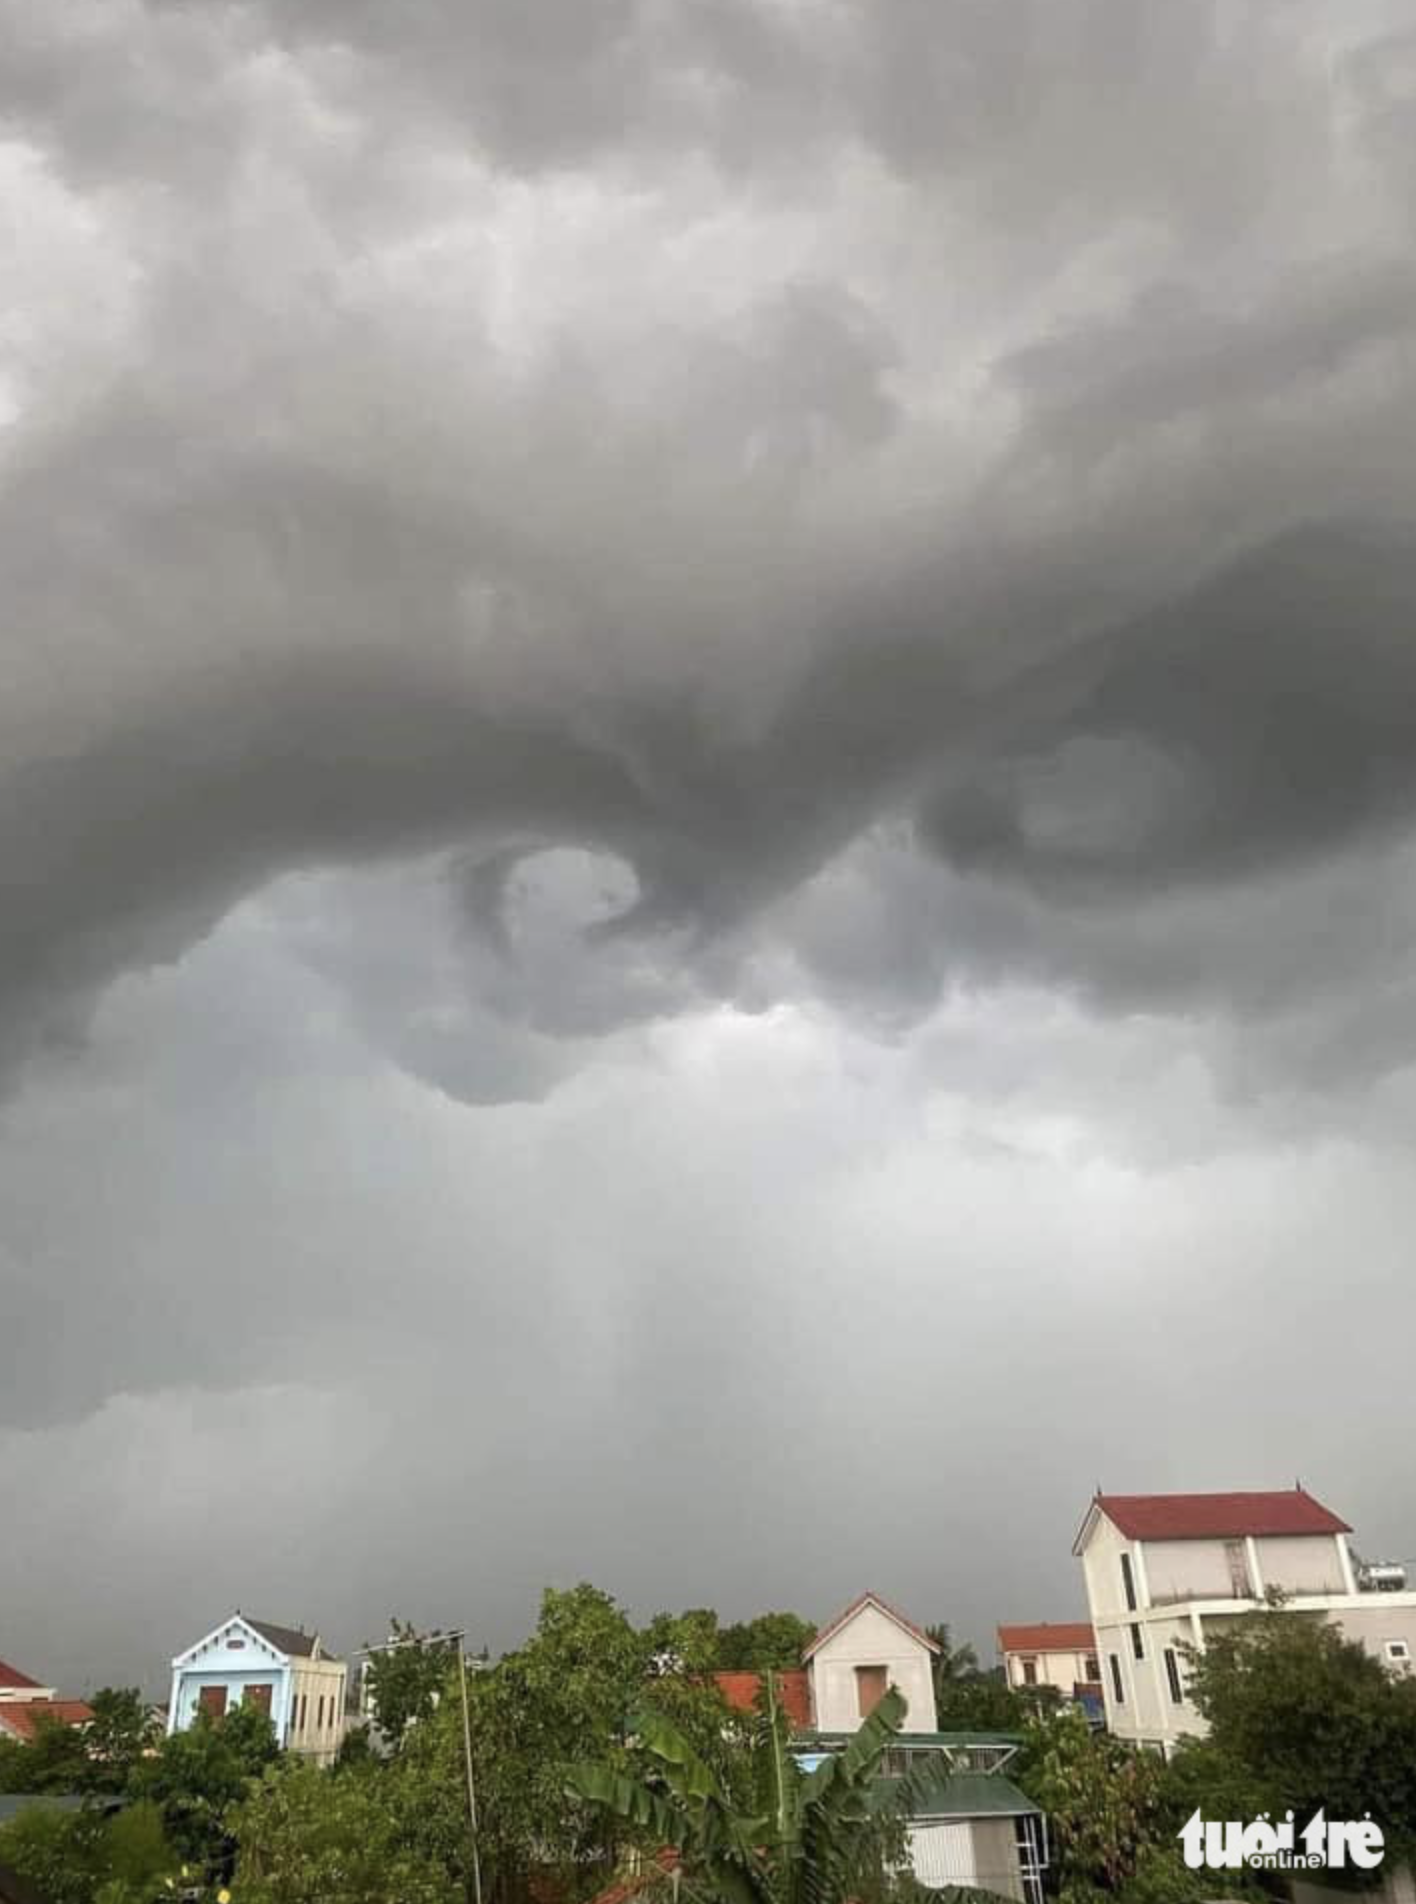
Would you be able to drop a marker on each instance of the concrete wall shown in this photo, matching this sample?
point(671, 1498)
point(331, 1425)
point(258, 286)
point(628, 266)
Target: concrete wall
point(1188, 1570)
point(1307, 1565)
point(995, 1846)
point(871, 1638)
point(1379, 1618)
point(1101, 1569)
point(1148, 1713)
point(318, 1691)
point(1063, 1670)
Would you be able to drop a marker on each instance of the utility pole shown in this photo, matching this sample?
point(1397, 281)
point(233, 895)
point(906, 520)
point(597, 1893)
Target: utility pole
point(458, 1638)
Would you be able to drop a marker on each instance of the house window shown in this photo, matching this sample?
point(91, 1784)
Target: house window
point(1238, 1562)
point(1118, 1690)
point(319, 1714)
point(1172, 1674)
point(259, 1697)
point(235, 1645)
point(1029, 1672)
point(870, 1689)
point(1397, 1650)
point(212, 1701)
point(1137, 1644)
point(1093, 1670)
point(1128, 1581)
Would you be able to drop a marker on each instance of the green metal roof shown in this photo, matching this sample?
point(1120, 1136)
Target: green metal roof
point(960, 1795)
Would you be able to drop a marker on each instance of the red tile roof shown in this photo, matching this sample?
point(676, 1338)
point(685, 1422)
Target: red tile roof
point(869, 1599)
point(1219, 1516)
point(18, 1716)
point(743, 1690)
point(12, 1676)
point(1061, 1636)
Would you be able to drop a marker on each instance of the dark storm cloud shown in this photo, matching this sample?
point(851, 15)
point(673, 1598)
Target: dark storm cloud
point(805, 610)
point(683, 658)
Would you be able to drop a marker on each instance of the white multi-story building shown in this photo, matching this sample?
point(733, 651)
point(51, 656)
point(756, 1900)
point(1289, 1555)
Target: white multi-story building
point(1164, 1571)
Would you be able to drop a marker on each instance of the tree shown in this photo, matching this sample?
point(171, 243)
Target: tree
point(971, 1698)
point(54, 1759)
point(564, 1696)
point(688, 1642)
point(307, 1836)
point(951, 1663)
point(984, 1702)
point(1103, 1800)
point(120, 1735)
point(196, 1777)
point(58, 1851)
point(406, 1679)
point(771, 1642)
point(137, 1858)
point(1312, 1718)
point(83, 1857)
point(808, 1838)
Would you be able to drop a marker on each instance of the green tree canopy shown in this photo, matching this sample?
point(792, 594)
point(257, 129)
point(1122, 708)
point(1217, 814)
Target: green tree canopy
point(771, 1641)
point(309, 1837)
point(117, 1739)
point(86, 1857)
point(406, 1677)
point(54, 1760)
point(1312, 1718)
point(565, 1696)
point(196, 1777)
point(1101, 1798)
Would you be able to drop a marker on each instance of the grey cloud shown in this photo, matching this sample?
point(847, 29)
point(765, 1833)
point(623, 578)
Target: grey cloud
point(661, 663)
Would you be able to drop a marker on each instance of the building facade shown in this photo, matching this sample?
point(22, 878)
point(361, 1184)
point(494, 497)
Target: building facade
point(283, 1670)
point(24, 1702)
point(852, 1661)
point(968, 1823)
point(1164, 1572)
point(1061, 1654)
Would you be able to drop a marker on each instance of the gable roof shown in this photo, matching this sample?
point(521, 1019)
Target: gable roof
point(881, 1606)
point(20, 1717)
point(12, 1676)
point(742, 1691)
point(286, 1639)
point(1284, 1511)
point(1049, 1636)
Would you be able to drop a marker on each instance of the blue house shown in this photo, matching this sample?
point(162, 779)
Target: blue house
point(283, 1670)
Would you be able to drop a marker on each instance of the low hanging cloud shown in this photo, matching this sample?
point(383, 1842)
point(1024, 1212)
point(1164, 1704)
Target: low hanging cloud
point(657, 656)
point(565, 487)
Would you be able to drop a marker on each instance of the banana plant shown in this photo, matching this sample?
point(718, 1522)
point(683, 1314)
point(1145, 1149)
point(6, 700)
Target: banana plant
point(808, 1837)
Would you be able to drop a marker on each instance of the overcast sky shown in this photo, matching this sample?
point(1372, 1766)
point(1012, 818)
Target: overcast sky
point(707, 799)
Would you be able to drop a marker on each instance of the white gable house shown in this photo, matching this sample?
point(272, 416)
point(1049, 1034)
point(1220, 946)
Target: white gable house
point(283, 1670)
point(863, 1651)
